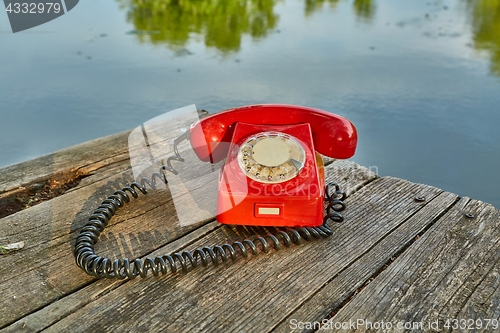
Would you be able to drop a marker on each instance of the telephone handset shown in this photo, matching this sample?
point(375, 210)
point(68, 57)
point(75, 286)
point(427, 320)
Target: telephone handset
point(272, 175)
point(334, 136)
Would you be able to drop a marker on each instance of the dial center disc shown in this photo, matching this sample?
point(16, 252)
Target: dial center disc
point(271, 157)
point(271, 152)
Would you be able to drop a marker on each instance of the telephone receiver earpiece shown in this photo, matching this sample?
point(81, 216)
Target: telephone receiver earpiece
point(334, 136)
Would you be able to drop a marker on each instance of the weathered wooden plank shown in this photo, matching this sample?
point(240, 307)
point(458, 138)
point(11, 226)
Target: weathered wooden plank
point(59, 309)
point(440, 277)
point(362, 271)
point(449, 272)
point(40, 273)
point(65, 164)
point(356, 176)
point(26, 184)
point(49, 228)
point(351, 242)
point(80, 160)
point(256, 294)
point(45, 230)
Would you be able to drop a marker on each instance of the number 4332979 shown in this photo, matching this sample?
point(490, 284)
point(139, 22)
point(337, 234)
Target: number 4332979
point(33, 8)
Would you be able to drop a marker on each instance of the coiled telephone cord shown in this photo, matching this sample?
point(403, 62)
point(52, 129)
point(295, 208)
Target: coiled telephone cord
point(100, 267)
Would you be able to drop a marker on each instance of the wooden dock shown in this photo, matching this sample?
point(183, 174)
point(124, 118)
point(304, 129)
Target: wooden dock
point(409, 257)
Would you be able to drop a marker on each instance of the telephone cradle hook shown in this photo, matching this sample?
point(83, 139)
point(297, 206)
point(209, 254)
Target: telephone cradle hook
point(101, 267)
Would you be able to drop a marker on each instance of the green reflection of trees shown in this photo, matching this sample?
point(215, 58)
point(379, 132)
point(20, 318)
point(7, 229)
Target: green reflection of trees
point(221, 23)
point(364, 9)
point(314, 5)
point(485, 17)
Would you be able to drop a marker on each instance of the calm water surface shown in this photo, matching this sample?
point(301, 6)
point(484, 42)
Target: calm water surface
point(420, 80)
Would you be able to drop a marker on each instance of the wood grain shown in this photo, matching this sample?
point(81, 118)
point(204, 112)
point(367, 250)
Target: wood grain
point(44, 270)
point(395, 259)
point(441, 275)
point(55, 256)
point(83, 159)
point(72, 162)
point(55, 311)
point(364, 270)
point(254, 294)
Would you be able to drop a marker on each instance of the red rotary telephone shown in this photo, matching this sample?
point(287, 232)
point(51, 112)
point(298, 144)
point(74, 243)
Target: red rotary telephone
point(272, 175)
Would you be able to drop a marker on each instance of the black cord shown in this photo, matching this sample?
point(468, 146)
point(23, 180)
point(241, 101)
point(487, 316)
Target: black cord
point(101, 267)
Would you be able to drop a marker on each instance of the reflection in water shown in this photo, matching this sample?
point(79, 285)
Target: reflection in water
point(314, 5)
point(222, 23)
point(485, 17)
point(364, 9)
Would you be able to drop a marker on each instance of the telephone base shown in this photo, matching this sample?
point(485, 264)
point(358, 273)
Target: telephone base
point(295, 202)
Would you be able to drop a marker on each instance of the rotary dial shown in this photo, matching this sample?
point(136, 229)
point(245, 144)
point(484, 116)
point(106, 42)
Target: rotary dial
point(271, 157)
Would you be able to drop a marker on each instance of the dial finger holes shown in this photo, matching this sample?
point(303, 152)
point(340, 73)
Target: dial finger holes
point(271, 157)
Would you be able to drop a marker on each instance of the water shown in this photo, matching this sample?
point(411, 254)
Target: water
point(420, 80)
